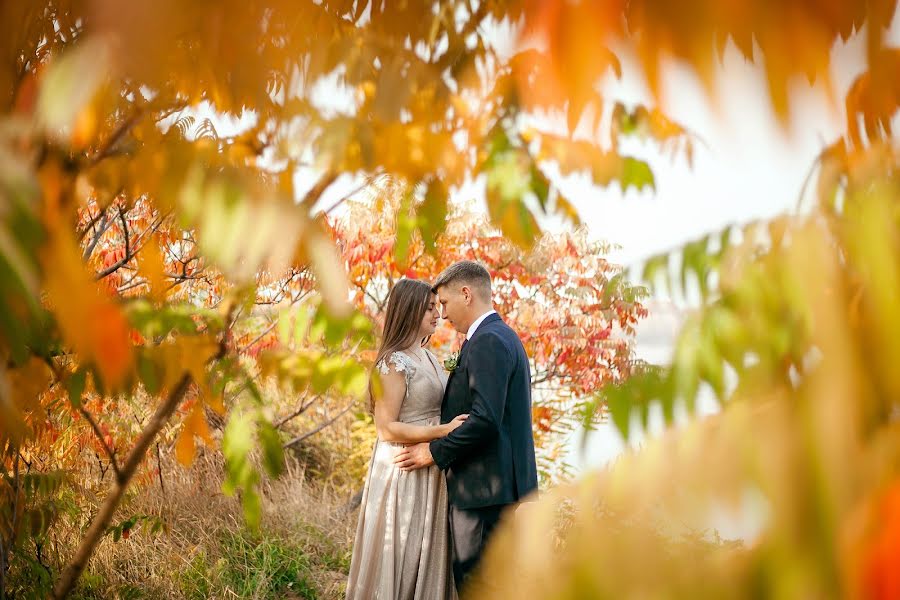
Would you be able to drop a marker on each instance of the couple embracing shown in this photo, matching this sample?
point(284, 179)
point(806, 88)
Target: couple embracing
point(454, 451)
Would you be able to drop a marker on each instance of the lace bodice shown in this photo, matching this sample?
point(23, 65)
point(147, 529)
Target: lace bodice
point(425, 383)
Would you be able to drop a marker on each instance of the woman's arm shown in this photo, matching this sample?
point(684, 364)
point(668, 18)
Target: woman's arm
point(387, 409)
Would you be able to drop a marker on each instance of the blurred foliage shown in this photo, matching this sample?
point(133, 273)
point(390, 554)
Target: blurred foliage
point(144, 255)
point(795, 334)
point(139, 247)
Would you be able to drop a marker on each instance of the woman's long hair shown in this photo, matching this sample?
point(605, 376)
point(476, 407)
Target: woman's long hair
point(405, 310)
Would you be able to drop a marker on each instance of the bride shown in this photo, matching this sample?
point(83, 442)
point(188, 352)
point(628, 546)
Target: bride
point(402, 545)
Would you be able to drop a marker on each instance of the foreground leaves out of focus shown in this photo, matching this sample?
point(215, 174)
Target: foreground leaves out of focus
point(796, 337)
point(808, 459)
point(137, 245)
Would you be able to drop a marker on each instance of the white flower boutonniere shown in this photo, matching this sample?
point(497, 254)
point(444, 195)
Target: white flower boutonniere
point(451, 362)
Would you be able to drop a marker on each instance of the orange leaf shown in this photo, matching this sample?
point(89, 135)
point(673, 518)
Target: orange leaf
point(90, 322)
point(194, 425)
point(154, 267)
point(185, 447)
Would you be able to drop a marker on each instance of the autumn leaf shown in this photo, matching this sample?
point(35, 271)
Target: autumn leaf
point(508, 182)
point(432, 213)
point(330, 273)
point(194, 425)
point(66, 91)
point(93, 324)
point(153, 265)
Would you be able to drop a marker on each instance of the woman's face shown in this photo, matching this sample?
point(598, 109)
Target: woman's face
point(430, 318)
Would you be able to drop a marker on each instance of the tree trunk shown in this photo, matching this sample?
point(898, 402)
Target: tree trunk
point(101, 521)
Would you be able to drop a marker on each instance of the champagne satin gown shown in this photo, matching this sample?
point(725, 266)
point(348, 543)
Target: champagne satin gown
point(402, 545)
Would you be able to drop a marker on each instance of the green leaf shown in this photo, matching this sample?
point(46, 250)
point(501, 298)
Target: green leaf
point(301, 324)
point(653, 268)
point(283, 328)
point(406, 226)
point(240, 474)
point(252, 507)
point(150, 374)
point(432, 214)
point(354, 380)
point(70, 84)
point(636, 173)
point(540, 185)
point(619, 408)
point(325, 372)
point(75, 386)
point(273, 453)
point(237, 442)
point(685, 367)
point(508, 182)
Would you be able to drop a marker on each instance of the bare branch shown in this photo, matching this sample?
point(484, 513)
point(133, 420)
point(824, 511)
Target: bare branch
point(129, 255)
point(278, 424)
point(101, 520)
point(116, 135)
point(249, 345)
point(104, 225)
point(125, 231)
point(99, 435)
point(346, 197)
point(301, 438)
point(313, 195)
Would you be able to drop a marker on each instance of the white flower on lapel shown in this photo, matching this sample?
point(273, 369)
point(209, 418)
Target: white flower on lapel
point(451, 362)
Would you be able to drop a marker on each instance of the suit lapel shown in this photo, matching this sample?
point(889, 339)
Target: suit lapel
point(464, 349)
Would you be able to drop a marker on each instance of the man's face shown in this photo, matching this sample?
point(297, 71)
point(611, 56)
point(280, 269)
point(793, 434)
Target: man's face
point(453, 307)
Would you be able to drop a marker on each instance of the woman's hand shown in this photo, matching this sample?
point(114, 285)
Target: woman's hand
point(456, 422)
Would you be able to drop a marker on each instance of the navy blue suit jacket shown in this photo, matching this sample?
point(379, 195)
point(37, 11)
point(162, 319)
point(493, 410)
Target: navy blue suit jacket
point(489, 459)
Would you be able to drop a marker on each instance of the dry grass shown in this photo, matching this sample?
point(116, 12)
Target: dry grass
point(302, 548)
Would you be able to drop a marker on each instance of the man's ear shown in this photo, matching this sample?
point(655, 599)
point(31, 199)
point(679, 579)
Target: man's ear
point(466, 293)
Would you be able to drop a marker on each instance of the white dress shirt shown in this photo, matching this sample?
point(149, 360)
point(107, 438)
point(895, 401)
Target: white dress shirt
point(478, 322)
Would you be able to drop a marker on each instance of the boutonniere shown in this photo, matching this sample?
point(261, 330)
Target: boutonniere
point(452, 361)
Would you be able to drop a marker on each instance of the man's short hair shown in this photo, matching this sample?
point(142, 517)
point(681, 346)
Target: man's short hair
point(466, 272)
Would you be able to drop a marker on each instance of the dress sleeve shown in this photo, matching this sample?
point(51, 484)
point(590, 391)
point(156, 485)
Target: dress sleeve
point(400, 363)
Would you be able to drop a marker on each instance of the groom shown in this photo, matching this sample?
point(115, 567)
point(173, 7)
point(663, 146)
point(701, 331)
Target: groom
point(489, 459)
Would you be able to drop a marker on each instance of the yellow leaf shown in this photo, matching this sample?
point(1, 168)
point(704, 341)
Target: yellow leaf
point(194, 425)
point(185, 355)
point(330, 273)
point(154, 268)
point(197, 352)
point(28, 382)
point(66, 92)
point(216, 402)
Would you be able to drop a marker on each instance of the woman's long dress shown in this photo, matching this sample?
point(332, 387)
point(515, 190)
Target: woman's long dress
point(402, 546)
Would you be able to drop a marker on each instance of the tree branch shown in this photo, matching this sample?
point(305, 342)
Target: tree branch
point(125, 231)
point(128, 256)
point(297, 412)
point(105, 223)
point(450, 58)
point(313, 195)
point(99, 435)
point(99, 525)
point(309, 434)
point(116, 135)
point(248, 345)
